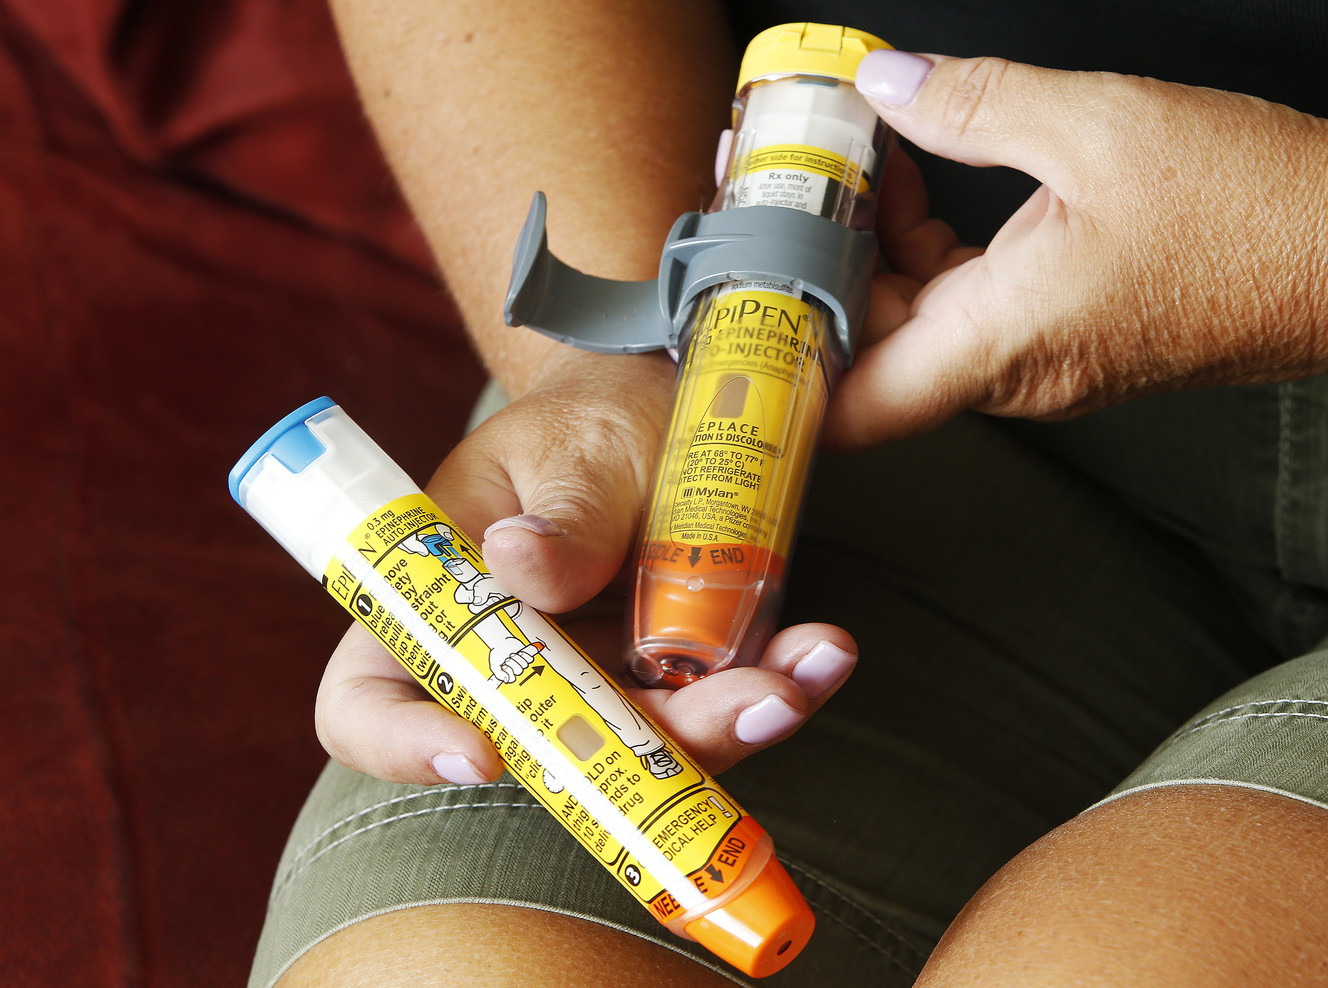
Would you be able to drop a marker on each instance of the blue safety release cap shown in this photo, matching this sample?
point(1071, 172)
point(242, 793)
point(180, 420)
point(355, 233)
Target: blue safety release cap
point(291, 441)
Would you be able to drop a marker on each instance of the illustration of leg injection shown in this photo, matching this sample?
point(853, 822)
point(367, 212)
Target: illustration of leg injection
point(763, 297)
point(390, 557)
point(510, 655)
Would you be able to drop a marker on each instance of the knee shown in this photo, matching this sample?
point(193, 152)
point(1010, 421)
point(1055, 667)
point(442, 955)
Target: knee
point(1182, 885)
point(467, 944)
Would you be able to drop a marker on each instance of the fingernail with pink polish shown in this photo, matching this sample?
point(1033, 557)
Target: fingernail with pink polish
point(892, 77)
point(529, 523)
point(821, 668)
point(452, 766)
point(766, 720)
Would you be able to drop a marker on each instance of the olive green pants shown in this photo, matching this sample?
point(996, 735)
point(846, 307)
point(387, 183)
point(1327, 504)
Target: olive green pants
point(1047, 616)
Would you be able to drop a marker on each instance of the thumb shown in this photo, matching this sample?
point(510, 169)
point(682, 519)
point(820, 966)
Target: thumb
point(985, 111)
point(553, 527)
point(556, 482)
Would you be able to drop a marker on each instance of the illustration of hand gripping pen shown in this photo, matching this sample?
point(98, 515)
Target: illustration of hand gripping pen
point(635, 800)
point(763, 297)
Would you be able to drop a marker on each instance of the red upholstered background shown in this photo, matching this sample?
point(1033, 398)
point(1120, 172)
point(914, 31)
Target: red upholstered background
point(196, 236)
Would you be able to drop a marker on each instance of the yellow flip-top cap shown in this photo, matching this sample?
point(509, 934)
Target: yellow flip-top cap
point(763, 928)
point(805, 48)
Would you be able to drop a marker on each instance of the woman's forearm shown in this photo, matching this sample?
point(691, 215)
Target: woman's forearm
point(612, 109)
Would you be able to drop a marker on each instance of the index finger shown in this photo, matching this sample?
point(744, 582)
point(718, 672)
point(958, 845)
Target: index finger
point(373, 717)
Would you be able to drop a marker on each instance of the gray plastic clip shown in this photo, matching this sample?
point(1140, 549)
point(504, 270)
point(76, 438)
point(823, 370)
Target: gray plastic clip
point(755, 243)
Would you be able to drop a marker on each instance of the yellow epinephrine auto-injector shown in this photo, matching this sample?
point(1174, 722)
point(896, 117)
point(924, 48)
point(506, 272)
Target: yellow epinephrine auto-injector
point(630, 795)
point(757, 362)
point(762, 296)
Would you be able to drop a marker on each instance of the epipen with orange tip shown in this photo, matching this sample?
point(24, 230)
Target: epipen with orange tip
point(762, 297)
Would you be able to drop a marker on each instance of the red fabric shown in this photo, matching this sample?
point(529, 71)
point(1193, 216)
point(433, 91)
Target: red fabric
point(196, 236)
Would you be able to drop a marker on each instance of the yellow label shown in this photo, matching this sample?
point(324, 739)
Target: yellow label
point(745, 422)
point(803, 158)
point(796, 176)
point(622, 788)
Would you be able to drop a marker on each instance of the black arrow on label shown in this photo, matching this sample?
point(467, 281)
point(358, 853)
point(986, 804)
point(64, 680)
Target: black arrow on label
point(715, 873)
point(534, 671)
point(695, 557)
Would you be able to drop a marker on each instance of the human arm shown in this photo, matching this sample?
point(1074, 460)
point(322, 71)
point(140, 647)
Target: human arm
point(611, 109)
point(1177, 241)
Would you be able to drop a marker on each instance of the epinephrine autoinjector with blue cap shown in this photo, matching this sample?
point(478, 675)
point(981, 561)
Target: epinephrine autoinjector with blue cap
point(629, 794)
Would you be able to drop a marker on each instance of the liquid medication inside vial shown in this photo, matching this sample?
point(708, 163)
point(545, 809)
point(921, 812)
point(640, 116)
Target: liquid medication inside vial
point(757, 363)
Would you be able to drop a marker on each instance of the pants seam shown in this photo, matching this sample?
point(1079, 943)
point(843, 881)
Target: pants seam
point(294, 873)
point(1252, 710)
point(313, 842)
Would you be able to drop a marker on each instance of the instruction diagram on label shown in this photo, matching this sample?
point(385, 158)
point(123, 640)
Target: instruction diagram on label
point(488, 654)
